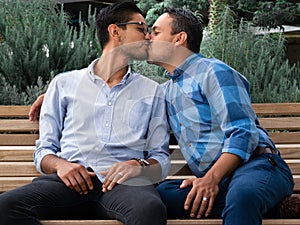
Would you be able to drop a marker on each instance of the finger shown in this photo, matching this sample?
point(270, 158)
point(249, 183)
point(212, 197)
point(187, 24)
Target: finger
point(186, 183)
point(117, 176)
point(87, 179)
point(210, 206)
point(123, 177)
point(195, 206)
point(203, 207)
point(75, 185)
point(81, 184)
point(189, 199)
point(67, 183)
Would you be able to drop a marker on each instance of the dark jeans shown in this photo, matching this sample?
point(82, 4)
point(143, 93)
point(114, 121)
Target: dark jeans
point(251, 193)
point(47, 197)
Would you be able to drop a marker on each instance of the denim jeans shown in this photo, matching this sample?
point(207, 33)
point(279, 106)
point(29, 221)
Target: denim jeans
point(47, 197)
point(251, 193)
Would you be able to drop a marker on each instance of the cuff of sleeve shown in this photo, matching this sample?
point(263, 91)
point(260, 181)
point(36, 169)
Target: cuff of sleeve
point(165, 166)
point(38, 156)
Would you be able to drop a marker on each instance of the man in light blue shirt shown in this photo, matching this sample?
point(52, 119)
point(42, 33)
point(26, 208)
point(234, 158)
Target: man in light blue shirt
point(103, 139)
point(240, 175)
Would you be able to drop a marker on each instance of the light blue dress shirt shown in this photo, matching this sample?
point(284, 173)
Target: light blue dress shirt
point(85, 121)
point(210, 112)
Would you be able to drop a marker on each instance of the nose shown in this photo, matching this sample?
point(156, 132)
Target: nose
point(148, 36)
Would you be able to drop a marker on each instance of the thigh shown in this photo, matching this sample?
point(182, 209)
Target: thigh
point(174, 197)
point(47, 197)
point(134, 203)
point(266, 179)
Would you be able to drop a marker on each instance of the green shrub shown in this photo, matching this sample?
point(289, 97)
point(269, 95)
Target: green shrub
point(37, 42)
point(260, 58)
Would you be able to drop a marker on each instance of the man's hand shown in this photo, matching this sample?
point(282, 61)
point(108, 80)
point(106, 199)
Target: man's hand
point(202, 195)
point(205, 189)
point(119, 173)
point(76, 177)
point(35, 109)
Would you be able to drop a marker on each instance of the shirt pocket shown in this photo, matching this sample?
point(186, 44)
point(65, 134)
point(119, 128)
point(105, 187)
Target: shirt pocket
point(137, 114)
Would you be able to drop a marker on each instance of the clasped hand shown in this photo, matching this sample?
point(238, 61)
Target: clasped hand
point(78, 178)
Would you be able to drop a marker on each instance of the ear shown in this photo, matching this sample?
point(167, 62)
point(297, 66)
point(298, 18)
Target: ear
point(180, 39)
point(113, 30)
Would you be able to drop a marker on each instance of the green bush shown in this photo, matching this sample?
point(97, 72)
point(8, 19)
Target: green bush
point(36, 42)
point(260, 58)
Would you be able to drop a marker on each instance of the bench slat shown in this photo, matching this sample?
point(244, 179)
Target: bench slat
point(9, 183)
point(170, 222)
point(17, 155)
point(276, 109)
point(283, 123)
point(25, 153)
point(14, 111)
point(21, 125)
point(178, 167)
point(286, 137)
point(18, 169)
point(18, 139)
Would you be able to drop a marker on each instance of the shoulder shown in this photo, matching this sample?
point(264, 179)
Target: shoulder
point(68, 77)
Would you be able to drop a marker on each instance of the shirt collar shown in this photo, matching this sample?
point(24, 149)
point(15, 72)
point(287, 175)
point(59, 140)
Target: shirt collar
point(184, 66)
point(94, 77)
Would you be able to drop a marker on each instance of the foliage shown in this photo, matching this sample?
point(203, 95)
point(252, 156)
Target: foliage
point(260, 58)
point(268, 14)
point(153, 72)
point(155, 8)
point(37, 42)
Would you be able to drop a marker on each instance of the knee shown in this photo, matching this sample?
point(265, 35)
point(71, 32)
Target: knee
point(243, 198)
point(151, 208)
point(7, 204)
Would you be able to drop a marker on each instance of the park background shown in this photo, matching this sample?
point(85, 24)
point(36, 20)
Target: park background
point(39, 39)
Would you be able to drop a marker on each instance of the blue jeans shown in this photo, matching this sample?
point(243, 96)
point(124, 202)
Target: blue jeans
point(47, 197)
point(251, 193)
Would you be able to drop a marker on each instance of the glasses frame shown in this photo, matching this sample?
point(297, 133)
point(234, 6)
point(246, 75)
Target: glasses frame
point(145, 31)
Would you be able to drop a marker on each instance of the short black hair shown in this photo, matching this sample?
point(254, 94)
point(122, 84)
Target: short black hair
point(185, 20)
point(119, 12)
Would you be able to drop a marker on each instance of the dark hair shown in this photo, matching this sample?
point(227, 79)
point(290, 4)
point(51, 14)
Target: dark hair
point(184, 20)
point(119, 12)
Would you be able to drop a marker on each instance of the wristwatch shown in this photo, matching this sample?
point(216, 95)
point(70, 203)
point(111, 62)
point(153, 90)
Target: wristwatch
point(141, 161)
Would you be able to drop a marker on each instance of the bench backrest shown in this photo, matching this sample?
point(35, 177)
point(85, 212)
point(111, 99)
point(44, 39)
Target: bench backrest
point(18, 135)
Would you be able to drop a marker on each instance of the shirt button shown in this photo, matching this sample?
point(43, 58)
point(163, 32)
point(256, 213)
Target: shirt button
point(189, 145)
point(174, 81)
point(109, 103)
point(106, 124)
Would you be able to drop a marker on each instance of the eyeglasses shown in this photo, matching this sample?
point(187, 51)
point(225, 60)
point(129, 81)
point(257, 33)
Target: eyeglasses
point(144, 29)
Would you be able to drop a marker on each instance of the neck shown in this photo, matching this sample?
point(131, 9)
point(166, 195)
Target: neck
point(179, 57)
point(111, 67)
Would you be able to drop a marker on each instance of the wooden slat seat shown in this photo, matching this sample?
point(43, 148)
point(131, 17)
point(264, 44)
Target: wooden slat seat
point(17, 144)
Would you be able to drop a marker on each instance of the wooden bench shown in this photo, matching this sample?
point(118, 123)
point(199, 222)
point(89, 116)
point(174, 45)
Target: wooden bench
point(18, 135)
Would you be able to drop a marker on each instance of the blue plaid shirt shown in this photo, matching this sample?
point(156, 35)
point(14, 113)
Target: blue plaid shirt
point(210, 112)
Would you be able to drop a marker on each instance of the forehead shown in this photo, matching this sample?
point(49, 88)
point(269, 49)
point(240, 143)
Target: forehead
point(137, 17)
point(163, 22)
